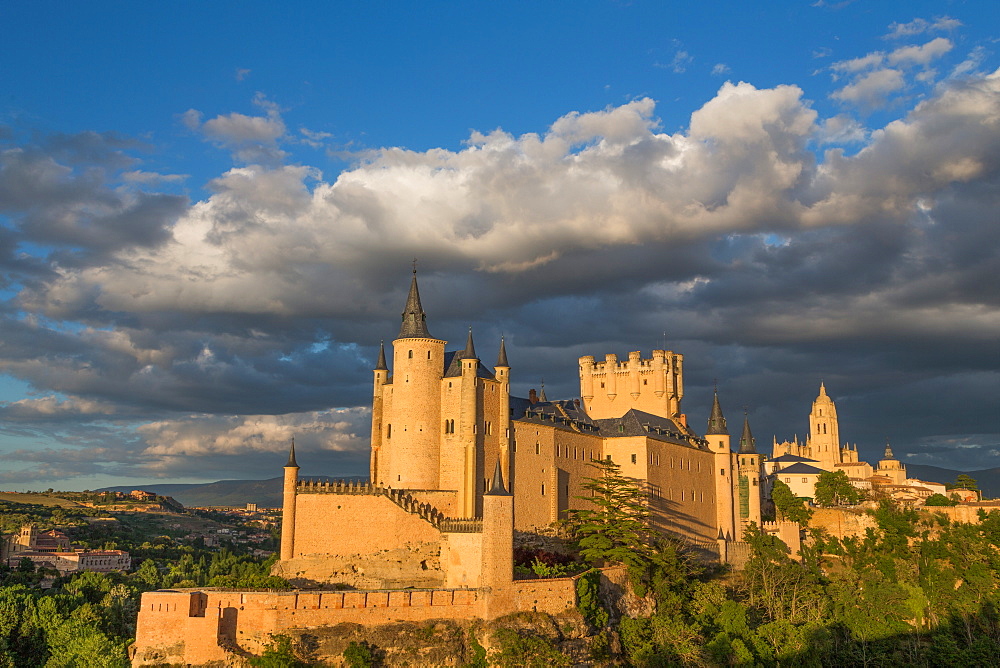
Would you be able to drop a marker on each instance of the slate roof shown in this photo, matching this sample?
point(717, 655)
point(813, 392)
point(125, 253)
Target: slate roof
point(799, 469)
point(792, 458)
point(453, 366)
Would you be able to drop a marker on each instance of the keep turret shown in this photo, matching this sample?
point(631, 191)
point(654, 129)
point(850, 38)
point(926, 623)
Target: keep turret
point(414, 319)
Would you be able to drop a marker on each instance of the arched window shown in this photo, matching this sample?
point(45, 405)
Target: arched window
point(411, 354)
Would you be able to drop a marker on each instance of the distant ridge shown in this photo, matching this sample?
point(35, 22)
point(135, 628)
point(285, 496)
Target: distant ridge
point(265, 493)
point(988, 479)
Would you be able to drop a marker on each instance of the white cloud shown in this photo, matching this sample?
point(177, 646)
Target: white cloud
point(920, 26)
point(720, 69)
point(338, 430)
point(871, 90)
point(855, 65)
point(920, 55)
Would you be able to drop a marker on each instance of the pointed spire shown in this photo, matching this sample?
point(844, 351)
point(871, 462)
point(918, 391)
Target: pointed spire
point(291, 456)
point(470, 349)
point(380, 365)
point(414, 319)
point(747, 445)
point(502, 357)
point(541, 394)
point(498, 488)
point(716, 421)
point(822, 389)
point(888, 451)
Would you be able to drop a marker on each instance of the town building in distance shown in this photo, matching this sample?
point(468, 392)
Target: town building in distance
point(52, 550)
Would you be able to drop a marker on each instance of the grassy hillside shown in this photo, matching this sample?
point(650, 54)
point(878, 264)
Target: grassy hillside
point(38, 499)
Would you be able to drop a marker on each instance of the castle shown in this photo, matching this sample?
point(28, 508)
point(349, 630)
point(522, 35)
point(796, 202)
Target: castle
point(431, 534)
point(442, 421)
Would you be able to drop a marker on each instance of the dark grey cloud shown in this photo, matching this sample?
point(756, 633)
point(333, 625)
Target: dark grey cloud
point(160, 326)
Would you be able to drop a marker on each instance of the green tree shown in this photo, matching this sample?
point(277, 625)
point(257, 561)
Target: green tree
point(964, 481)
point(939, 500)
point(278, 653)
point(615, 528)
point(834, 488)
point(789, 506)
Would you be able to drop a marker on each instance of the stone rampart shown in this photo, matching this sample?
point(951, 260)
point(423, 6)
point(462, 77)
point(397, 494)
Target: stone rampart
point(199, 626)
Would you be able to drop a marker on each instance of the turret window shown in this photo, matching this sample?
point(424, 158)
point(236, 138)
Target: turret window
point(388, 431)
point(411, 354)
point(428, 354)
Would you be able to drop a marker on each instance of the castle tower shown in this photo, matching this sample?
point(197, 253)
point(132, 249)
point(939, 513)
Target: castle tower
point(717, 436)
point(502, 373)
point(470, 419)
point(611, 388)
point(381, 373)
point(749, 478)
point(288, 505)
point(824, 431)
point(410, 414)
point(498, 547)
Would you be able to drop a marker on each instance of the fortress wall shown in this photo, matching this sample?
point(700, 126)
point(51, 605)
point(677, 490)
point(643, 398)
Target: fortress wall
point(553, 596)
point(462, 559)
point(534, 506)
point(445, 500)
point(841, 523)
point(345, 524)
point(170, 631)
point(682, 490)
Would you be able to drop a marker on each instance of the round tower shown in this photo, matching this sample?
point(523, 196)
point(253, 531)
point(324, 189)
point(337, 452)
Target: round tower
point(502, 373)
point(749, 477)
point(381, 373)
point(288, 505)
point(411, 414)
point(717, 436)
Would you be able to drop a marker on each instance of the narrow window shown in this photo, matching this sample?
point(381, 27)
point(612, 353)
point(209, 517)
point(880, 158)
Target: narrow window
point(411, 354)
point(633, 459)
point(722, 472)
point(543, 489)
point(536, 449)
point(388, 431)
point(428, 354)
point(602, 386)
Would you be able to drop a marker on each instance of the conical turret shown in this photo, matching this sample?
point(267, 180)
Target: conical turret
point(497, 487)
point(502, 357)
point(747, 445)
point(716, 421)
point(414, 319)
point(470, 348)
point(381, 365)
point(291, 456)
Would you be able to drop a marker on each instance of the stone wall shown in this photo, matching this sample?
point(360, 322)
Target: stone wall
point(196, 627)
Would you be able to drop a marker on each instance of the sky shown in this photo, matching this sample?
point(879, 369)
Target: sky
point(209, 211)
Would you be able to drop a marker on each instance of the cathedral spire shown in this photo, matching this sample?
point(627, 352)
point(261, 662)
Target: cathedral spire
point(541, 394)
point(291, 456)
point(414, 319)
point(747, 444)
point(716, 421)
point(502, 357)
point(380, 365)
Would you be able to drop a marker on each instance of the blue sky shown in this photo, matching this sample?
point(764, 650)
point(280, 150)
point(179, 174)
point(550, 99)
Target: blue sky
point(208, 212)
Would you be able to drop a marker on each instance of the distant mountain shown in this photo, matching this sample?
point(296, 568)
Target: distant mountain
point(265, 493)
point(987, 479)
